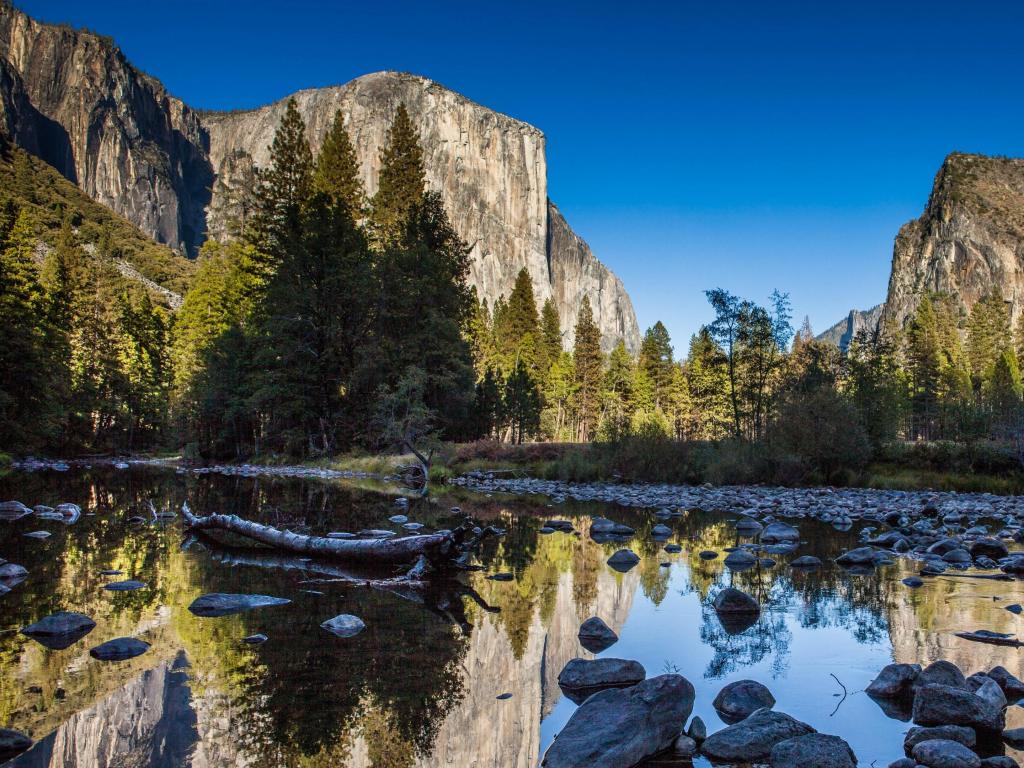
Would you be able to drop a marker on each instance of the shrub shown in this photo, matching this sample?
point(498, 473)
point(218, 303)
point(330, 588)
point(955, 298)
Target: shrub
point(823, 428)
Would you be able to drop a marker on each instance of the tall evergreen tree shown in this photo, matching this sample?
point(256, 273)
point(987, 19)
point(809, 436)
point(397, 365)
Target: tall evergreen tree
point(988, 336)
point(551, 335)
point(587, 359)
point(656, 359)
point(337, 169)
point(402, 179)
point(522, 405)
point(23, 363)
point(517, 335)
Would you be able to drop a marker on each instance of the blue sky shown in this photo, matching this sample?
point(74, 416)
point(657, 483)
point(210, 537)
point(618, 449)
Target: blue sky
point(693, 144)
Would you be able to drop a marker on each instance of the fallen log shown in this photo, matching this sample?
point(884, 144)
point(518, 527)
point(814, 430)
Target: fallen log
point(992, 638)
point(440, 549)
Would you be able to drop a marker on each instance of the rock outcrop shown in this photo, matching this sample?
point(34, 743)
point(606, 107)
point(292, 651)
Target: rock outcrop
point(969, 240)
point(72, 98)
point(846, 330)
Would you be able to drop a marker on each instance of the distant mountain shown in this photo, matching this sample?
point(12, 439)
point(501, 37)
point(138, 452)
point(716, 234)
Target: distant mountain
point(843, 332)
point(71, 98)
point(969, 240)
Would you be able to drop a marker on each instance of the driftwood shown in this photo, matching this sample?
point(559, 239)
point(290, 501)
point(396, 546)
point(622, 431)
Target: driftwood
point(441, 596)
point(438, 548)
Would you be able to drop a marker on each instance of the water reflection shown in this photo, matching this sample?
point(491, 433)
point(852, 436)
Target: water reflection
point(420, 686)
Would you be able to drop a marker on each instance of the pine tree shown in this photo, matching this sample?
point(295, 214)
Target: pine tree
point(988, 336)
point(551, 336)
point(708, 388)
point(1004, 387)
point(284, 187)
point(656, 359)
point(522, 405)
point(337, 169)
point(517, 336)
point(587, 359)
point(402, 180)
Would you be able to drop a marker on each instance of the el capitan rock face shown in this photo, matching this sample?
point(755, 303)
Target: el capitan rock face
point(969, 240)
point(71, 98)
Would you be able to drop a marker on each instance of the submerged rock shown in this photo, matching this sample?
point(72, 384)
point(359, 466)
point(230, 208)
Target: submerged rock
point(580, 678)
point(620, 727)
point(224, 604)
point(596, 636)
point(124, 586)
point(777, 532)
point(257, 639)
point(958, 733)
point(731, 600)
point(740, 560)
point(813, 750)
point(119, 649)
point(60, 630)
point(754, 738)
point(806, 561)
point(344, 625)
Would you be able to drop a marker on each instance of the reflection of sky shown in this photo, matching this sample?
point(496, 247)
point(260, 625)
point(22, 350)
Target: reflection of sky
point(668, 637)
point(412, 672)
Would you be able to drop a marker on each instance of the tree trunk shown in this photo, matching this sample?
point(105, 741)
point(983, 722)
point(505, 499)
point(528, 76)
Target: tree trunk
point(438, 548)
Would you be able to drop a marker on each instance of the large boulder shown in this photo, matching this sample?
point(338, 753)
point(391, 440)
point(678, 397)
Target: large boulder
point(894, 680)
point(60, 630)
point(596, 636)
point(619, 727)
point(737, 610)
point(754, 738)
point(991, 548)
point(739, 700)
point(943, 753)
point(813, 750)
point(740, 560)
point(946, 705)
point(580, 678)
point(861, 556)
point(119, 649)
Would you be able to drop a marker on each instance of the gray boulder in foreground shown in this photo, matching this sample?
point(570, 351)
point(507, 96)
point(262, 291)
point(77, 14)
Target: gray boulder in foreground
point(754, 738)
point(225, 604)
point(943, 753)
point(813, 750)
point(945, 705)
point(619, 727)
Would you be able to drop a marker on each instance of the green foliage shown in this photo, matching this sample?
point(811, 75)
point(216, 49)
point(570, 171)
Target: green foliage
point(587, 361)
point(337, 169)
point(402, 179)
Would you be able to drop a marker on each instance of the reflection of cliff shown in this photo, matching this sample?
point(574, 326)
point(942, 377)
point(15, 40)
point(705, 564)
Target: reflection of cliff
point(922, 622)
point(483, 731)
point(147, 722)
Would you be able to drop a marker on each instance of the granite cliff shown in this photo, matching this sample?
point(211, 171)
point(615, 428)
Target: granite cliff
point(846, 330)
point(72, 98)
point(969, 240)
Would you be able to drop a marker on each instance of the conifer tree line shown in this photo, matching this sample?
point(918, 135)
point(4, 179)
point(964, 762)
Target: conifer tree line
point(334, 319)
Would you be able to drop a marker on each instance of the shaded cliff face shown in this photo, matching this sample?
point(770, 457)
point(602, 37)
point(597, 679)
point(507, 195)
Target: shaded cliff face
point(969, 240)
point(72, 98)
point(490, 170)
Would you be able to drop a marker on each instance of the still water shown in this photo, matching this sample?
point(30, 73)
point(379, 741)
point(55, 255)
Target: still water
point(420, 685)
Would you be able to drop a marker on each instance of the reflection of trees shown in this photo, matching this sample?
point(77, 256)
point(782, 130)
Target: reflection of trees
point(769, 635)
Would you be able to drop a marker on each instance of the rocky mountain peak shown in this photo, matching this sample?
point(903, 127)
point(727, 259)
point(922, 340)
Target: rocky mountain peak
point(72, 98)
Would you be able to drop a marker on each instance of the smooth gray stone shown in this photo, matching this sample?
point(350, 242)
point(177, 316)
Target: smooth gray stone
point(596, 636)
point(813, 750)
point(344, 625)
point(580, 678)
point(958, 733)
point(60, 630)
point(623, 560)
point(943, 753)
point(946, 705)
point(894, 680)
point(119, 649)
point(740, 699)
point(224, 604)
point(754, 738)
point(124, 586)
